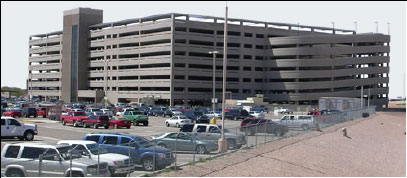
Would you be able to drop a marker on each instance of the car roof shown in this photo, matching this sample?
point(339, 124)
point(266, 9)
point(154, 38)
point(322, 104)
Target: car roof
point(38, 145)
point(7, 117)
point(77, 141)
point(115, 134)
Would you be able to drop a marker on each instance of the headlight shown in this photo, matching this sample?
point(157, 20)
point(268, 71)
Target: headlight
point(160, 155)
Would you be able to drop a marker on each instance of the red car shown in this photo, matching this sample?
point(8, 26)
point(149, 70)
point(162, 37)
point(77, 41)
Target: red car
point(96, 121)
point(120, 122)
point(74, 117)
point(42, 112)
point(12, 112)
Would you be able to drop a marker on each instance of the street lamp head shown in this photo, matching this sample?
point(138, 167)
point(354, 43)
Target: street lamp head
point(213, 52)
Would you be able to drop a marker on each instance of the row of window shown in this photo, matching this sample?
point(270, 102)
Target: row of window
point(221, 32)
point(218, 44)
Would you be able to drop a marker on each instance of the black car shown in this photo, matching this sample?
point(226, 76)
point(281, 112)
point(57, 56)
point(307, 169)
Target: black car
point(236, 114)
point(167, 113)
point(28, 112)
point(196, 116)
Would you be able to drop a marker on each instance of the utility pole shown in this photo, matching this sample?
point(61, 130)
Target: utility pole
point(356, 27)
point(368, 98)
point(333, 28)
point(214, 80)
point(222, 143)
point(377, 27)
point(361, 98)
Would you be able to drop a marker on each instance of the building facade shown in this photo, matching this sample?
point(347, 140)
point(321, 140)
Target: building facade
point(166, 57)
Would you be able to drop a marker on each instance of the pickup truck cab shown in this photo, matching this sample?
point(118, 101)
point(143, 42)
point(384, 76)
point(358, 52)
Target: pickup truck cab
point(119, 165)
point(294, 121)
point(91, 111)
point(236, 114)
point(256, 114)
point(123, 110)
point(213, 132)
point(141, 150)
point(11, 128)
point(96, 121)
point(22, 160)
point(42, 112)
point(75, 118)
point(136, 117)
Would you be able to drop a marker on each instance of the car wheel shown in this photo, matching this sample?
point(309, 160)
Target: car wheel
point(63, 122)
point(235, 118)
point(29, 135)
point(200, 149)
point(147, 164)
point(14, 173)
point(20, 138)
point(167, 124)
point(115, 126)
point(85, 125)
point(106, 127)
point(43, 116)
point(128, 127)
point(177, 125)
point(278, 132)
point(75, 124)
point(231, 144)
point(305, 127)
point(162, 145)
point(95, 126)
point(145, 123)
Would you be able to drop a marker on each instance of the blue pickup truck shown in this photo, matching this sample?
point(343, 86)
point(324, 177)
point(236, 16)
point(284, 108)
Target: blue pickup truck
point(141, 150)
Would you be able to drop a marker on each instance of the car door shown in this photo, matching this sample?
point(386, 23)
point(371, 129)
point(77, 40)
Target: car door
point(14, 128)
point(213, 133)
point(201, 132)
point(4, 126)
point(52, 164)
point(125, 145)
point(29, 160)
point(173, 120)
point(185, 142)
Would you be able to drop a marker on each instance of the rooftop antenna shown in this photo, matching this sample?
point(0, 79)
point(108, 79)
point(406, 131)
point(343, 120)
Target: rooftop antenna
point(377, 27)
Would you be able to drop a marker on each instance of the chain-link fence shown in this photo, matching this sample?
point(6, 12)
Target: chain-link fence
point(129, 155)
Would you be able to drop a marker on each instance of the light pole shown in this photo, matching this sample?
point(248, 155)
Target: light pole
point(333, 28)
point(388, 28)
point(222, 142)
point(377, 27)
point(214, 79)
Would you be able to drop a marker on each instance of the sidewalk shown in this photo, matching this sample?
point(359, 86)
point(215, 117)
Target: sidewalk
point(377, 147)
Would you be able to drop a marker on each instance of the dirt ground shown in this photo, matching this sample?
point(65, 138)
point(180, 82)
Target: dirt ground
point(376, 147)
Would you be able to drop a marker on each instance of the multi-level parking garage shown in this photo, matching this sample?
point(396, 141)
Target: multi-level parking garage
point(166, 57)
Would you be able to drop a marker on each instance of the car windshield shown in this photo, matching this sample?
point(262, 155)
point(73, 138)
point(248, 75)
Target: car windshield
point(64, 152)
point(79, 114)
point(182, 117)
point(93, 148)
point(143, 142)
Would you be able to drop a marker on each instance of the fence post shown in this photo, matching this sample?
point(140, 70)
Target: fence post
point(40, 165)
point(265, 132)
point(155, 144)
point(129, 160)
point(98, 159)
point(175, 152)
point(70, 163)
point(246, 137)
point(256, 133)
point(193, 154)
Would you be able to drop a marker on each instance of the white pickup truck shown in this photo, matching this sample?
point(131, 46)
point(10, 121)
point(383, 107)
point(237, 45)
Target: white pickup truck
point(11, 128)
point(118, 164)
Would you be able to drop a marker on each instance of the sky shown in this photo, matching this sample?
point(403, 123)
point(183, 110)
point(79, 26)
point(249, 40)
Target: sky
point(19, 20)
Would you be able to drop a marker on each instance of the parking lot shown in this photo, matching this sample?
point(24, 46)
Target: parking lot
point(50, 132)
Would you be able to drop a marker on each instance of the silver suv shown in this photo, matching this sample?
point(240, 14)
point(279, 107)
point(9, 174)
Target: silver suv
point(23, 160)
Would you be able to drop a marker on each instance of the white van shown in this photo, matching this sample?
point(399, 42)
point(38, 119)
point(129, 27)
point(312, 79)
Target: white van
point(303, 121)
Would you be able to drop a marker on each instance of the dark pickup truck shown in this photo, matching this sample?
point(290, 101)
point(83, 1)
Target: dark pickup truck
point(236, 114)
point(96, 121)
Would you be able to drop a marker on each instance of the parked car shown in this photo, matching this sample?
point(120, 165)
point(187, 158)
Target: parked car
point(216, 114)
point(75, 118)
point(255, 125)
point(136, 117)
point(168, 113)
point(22, 160)
point(96, 121)
point(91, 111)
point(96, 113)
point(107, 112)
point(185, 142)
point(236, 114)
point(12, 112)
point(196, 116)
point(117, 122)
point(42, 112)
point(314, 113)
point(141, 150)
point(156, 111)
point(303, 121)
point(118, 165)
point(256, 114)
point(123, 110)
point(11, 128)
point(213, 132)
point(177, 121)
point(28, 112)
point(284, 111)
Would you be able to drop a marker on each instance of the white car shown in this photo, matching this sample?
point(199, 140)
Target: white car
point(257, 114)
point(122, 111)
point(178, 121)
point(107, 112)
point(176, 113)
point(118, 164)
point(10, 127)
point(303, 121)
point(216, 114)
